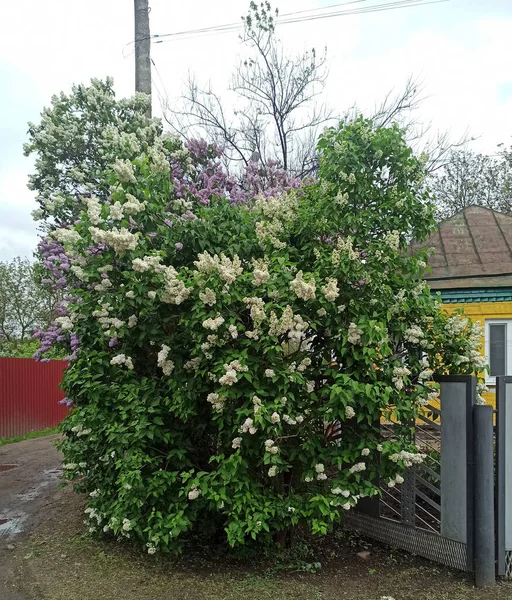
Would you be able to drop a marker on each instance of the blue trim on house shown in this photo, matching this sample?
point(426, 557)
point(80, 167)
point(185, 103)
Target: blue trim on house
point(462, 296)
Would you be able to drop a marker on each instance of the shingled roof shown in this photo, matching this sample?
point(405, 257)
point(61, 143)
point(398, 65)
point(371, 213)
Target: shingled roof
point(473, 249)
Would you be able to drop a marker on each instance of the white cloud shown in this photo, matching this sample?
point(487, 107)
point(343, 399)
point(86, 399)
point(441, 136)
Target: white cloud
point(461, 58)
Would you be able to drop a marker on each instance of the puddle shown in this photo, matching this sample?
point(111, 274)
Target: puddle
point(53, 473)
point(12, 521)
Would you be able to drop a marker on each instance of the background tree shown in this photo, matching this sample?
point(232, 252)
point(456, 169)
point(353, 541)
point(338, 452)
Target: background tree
point(75, 142)
point(276, 115)
point(25, 305)
point(468, 178)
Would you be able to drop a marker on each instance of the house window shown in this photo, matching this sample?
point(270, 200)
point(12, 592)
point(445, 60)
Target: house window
point(498, 348)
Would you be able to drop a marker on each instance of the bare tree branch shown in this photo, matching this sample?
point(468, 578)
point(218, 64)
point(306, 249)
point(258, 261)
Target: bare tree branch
point(277, 117)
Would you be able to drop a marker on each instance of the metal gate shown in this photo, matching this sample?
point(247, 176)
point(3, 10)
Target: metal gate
point(504, 476)
point(431, 513)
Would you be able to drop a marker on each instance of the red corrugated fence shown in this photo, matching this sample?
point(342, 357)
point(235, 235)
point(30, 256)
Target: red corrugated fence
point(29, 395)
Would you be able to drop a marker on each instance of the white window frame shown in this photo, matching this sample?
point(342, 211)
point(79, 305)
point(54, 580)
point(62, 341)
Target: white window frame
point(491, 380)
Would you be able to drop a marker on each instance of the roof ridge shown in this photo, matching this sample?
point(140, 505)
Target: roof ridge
point(472, 238)
point(502, 232)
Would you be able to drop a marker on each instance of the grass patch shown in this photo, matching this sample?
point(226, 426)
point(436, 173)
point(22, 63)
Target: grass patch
point(28, 436)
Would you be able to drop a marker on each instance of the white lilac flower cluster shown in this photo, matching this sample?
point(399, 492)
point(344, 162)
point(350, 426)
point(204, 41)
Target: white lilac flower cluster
point(392, 239)
point(232, 369)
point(237, 442)
point(103, 286)
point(216, 401)
point(248, 427)
point(431, 396)
point(306, 290)
point(257, 309)
point(148, 263)
point(350, 413)
point(398, 374)
point(357, 468)
point(194, 493)
point(354, 334)
point(66, 236)
point(159, 161)
point(121, 359)
point(320, 472)
point(331, 290)
point(291, 421)
point(275, 418)
point(408, 458)
point(124, 171)
point(256, 402)
point(213, 324)
point(272, 472)
point(132, 321)
point(337, 491)
point(398, 479)
point(456, 325)
point(261, 274)
point(481, 388)
point(341, 198)
point(270, 373)
point(120, 240)
point(413, 334)
point(304, 364)
point(80, 430)
point(208, 297)
point(132, 206)
point(93, 210)
point(294, 325)
point(344, 246)
point(163, 362)
point(116, 211)
point(192, 364)
point(227, 269)
point(277, 213)
point(175, 291)
point(79, 273)
point(426, 375)
point(64, 322)
point(271, 447)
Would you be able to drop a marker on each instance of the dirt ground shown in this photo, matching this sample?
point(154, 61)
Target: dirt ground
point(45, 555)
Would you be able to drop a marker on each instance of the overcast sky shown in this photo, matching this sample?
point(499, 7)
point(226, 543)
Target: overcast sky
point(460, 49)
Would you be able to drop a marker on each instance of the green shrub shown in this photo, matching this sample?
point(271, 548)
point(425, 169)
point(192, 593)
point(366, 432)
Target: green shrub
point(215, 349)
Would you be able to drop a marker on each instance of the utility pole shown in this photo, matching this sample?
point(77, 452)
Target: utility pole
point(142, 49)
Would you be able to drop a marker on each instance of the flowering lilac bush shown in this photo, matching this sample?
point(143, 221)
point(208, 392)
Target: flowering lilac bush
point(86, 132)
point(235, 359)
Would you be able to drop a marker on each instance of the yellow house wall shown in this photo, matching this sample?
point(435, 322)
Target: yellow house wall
point(481, 311)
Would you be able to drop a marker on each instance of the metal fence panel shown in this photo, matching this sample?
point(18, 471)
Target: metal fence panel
point(29, 395)
point(432, 513)
point(454, 472)
point(504, 476)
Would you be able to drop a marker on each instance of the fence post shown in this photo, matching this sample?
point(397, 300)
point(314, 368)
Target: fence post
point(484, 550)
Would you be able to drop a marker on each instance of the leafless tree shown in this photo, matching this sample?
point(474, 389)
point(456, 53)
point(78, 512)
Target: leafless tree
point(276, 114)
point(402, 108)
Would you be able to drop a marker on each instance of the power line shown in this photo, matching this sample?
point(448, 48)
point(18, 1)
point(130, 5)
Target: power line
point(395, 5)
point(291, 18)
point(237, 25)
